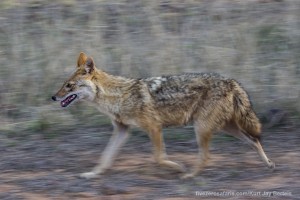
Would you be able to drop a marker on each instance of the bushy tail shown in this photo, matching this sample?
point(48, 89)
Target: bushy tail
point(245, 116)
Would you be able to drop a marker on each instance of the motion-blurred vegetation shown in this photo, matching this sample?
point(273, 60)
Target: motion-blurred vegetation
point(256, 42)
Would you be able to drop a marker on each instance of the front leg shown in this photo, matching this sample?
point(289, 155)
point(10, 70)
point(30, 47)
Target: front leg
point(119, 137)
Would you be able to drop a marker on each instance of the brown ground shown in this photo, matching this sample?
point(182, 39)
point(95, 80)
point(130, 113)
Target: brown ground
point(36, 168)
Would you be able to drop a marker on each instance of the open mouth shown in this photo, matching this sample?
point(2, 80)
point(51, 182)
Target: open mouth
point(68, 100)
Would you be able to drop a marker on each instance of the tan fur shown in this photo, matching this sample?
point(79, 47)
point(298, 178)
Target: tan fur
point(209, 101)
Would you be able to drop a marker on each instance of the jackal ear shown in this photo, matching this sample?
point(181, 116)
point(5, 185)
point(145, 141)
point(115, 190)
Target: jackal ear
point(81, 59)
point(89, 65)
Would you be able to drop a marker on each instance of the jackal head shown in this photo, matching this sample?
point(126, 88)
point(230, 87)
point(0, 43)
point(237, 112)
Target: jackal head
point(79, 86)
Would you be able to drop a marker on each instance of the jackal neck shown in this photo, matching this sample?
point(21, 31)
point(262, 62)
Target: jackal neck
point(109, 83)
point(111, 90)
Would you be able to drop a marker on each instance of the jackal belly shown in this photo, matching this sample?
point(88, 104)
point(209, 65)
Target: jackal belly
point(178, 111)
point(175, 118)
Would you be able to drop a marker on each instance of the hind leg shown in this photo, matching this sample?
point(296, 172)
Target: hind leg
point(232, 129)
point(203, 137)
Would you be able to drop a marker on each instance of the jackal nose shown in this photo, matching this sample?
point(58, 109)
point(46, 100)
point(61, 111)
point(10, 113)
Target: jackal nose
point(53, 98)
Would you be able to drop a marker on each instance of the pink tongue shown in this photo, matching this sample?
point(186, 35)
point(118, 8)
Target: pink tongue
point(68, 100)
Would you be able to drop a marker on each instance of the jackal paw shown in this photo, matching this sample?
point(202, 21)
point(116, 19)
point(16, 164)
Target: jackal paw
point(188, 176)
point(271, 164)
point(88, 175)
point(173, 165)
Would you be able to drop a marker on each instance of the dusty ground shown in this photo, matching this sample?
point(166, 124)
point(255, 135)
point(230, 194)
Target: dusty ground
point(37, 168)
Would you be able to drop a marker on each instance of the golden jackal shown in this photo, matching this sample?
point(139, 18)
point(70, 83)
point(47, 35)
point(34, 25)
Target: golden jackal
point(209, 101)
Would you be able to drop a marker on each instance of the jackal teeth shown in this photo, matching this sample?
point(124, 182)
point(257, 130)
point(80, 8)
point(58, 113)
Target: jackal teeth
point(68, 100)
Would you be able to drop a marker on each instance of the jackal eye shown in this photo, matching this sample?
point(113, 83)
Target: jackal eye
point(68, 85)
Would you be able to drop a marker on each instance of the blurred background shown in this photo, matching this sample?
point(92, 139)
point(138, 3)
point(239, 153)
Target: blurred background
point(44, 147)
point(257, 42)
